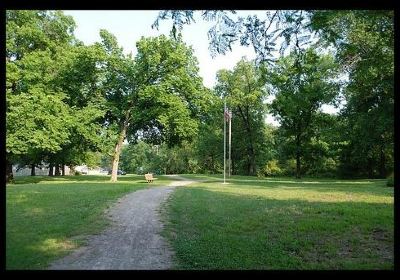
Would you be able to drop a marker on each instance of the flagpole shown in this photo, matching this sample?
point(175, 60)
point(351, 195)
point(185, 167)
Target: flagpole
point(224, 139)
point(229, 141)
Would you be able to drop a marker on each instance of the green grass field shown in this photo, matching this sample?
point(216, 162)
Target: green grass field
point(47, 217)
point(281, 223)
point(250, 223)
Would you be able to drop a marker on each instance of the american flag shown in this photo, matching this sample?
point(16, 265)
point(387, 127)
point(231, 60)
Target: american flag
point(227, 115)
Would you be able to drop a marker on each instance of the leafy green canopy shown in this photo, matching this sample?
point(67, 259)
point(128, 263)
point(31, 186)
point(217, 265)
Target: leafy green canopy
point(244, 90)
point(365, 48)
point(171, 98)
point(263, 34)
point(303, 82)
point(34, 104)
point(51, 96)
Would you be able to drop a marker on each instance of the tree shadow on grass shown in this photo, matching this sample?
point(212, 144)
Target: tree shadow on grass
point(215, 228)
point(376, 187)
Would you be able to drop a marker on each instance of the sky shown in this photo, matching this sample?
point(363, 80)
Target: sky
point(130, 26)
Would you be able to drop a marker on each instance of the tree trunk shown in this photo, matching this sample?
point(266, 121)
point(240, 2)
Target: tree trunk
point(233, 167)
point(298, 163)
point(118, 147)
point(251, 165)
point(252, 160)
point(117, 153)
point(50, 169)
point(72, 169)
point(63, 169)
point(33, 170)
point(369, 168)
point(57, 170)
point(382, 169)
point(9, 173)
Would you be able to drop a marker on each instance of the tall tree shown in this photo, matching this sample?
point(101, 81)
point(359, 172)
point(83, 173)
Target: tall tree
point(244, 91)
point(302, 82)
point(80, 77)
point(365, 48)
point(157, 96)
point(33, 103)
point(209, 141)
point(46, 63)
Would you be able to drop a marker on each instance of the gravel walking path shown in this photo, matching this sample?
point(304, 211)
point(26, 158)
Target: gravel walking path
point(133, 241)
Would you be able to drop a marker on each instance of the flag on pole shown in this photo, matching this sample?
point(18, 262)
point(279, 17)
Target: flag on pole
point(227, 115)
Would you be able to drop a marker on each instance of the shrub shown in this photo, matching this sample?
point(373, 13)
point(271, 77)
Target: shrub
point(77, 173)
point(272, 168)
point(289, 168)
point(325, 167)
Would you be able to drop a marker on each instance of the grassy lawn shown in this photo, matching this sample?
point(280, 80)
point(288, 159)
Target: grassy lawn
point(281, 223)
point(47, 217)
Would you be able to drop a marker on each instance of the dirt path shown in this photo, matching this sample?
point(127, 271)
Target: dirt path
point(133, 240)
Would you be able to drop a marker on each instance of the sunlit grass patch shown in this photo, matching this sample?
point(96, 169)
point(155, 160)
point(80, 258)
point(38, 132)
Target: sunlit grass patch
point(47, 218)
point(284, 193)
point(53, 244)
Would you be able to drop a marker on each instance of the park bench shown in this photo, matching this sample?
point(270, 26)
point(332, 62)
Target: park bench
point(149, 177)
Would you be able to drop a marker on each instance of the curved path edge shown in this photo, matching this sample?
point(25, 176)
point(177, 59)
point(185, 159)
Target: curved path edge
point(133, 239)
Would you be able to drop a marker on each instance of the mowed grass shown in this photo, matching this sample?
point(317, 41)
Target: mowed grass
point(47, 217)
point(281, 223)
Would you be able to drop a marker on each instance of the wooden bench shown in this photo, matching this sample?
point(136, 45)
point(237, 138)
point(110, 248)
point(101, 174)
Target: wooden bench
point(149, 177)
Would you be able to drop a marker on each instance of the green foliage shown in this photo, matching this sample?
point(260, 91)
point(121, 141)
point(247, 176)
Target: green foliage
point(271, 169)
point(53, 103)
point(302, 82)
point(289, 167)
point(243, 89)
point(142, 157)
point(136, 158)
point(208, 145)
point(365, 48)
point(259, 32)
point(33, 122)
point(363, 44)
point(170, 87)
point(66, 102)
point(31, 30)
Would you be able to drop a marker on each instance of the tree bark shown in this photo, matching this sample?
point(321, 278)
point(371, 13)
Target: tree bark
point(252, 160)
point(33, 170)
point(9, 173)
point(118, 146)
point(71, 170)
point(57, 170)
point(382, 169)
point(250, 147)
point(369, 168)
point(51, 169)
point(298, 163)
point(117, 153)
point(63, 169)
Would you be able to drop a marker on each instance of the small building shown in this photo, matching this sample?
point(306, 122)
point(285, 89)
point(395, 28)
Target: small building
point(39, 171)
